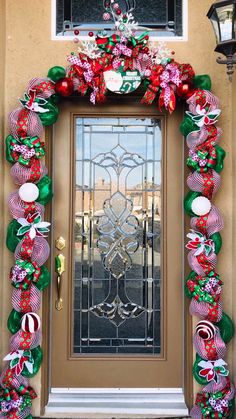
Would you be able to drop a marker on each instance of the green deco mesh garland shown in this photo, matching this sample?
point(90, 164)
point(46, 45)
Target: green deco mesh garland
point(120, 63)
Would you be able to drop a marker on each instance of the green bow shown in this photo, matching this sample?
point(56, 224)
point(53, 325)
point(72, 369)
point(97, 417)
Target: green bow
point(30, 142)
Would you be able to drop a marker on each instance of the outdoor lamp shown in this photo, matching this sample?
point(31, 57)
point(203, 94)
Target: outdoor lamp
point(222, 15)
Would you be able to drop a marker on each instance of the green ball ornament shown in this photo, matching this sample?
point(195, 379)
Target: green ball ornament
point(200, 380)
point(56, 73)
point(14, 321)
point(202, 82)
point(8, 149)
point(44, 279)
point(12, 239)
point(54, 99)
point(220, 156)
point(191, 195)
point(187, 126)
point(45, 190)
point(37, 355)
point(226, 327)
point(217, 239)
point(50, 117)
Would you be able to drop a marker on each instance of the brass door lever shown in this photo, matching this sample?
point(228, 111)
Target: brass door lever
point(59, 269)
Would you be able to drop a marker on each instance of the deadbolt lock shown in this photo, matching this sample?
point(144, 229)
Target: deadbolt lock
point(60, 243)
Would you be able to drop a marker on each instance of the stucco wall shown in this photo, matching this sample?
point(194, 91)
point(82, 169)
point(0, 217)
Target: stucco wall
point(30, 52)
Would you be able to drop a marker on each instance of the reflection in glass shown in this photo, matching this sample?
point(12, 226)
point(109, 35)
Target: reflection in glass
point(117, 234)
point(225, 15)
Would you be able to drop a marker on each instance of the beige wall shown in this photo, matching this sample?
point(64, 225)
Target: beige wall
point(30, 52)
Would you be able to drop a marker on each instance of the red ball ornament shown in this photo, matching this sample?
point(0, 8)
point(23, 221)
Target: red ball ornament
point(146, 49)
point(91, 34)
point(64, 87)
point(76, 31)
point(118, 12)
point(185, 90)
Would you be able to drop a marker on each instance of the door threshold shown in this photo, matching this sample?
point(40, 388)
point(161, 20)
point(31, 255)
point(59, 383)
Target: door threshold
point(110, 403)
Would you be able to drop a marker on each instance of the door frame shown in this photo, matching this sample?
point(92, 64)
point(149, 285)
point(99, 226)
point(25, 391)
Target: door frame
point(48, 399)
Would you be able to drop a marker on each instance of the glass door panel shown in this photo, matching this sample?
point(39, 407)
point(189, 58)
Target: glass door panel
point(117, 236)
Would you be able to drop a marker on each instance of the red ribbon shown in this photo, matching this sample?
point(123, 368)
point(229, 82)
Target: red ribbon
point(208, 186)
point(153, 87)
point(23, 122)
point(35, 170)
point(201, 224)
point(25, 340)
point(26, 248)
point(205, 264)
point(25, 301)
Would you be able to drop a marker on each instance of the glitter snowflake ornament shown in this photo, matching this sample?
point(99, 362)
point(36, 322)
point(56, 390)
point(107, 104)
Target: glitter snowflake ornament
point(160, 54)
point(90, 49)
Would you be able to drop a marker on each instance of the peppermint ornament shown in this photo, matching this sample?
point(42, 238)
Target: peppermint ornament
point(106, 16)
point(30, 322)
point(201, 205)
point(205, 330)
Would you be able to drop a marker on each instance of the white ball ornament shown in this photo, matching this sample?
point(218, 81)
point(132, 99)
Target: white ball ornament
point(29, 192)
point(201, 205)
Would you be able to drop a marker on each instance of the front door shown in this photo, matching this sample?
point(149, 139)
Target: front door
point(117, 179)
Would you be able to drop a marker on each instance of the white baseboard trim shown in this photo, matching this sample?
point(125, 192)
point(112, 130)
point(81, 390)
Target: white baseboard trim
point(116, 403)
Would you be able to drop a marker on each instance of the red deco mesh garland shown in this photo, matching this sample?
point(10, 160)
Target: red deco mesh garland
point(168, 82)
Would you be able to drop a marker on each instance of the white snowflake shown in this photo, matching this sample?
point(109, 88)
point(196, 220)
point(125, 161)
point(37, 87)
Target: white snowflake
point(90, 49)
point(127, 28)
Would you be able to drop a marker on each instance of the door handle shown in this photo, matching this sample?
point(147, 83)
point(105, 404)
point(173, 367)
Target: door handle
point(59, 269)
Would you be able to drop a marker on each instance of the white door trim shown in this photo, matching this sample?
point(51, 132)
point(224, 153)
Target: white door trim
point(116, 403)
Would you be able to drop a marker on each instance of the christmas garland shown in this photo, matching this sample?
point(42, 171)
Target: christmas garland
point(119, 63)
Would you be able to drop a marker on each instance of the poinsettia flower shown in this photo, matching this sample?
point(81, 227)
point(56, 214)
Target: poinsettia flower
point(211, 370)
point(33, 225)
point(199, 242)
point(20, 359)
point(204, 117)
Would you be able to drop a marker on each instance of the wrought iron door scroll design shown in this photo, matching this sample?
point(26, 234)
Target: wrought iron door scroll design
point(119, 231)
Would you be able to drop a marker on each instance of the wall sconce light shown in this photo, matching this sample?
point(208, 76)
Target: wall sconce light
point(222, 15)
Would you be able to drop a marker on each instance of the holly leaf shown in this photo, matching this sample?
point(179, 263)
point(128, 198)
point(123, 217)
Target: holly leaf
point(208, 249)
point(23, 230)
point(14, 362)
